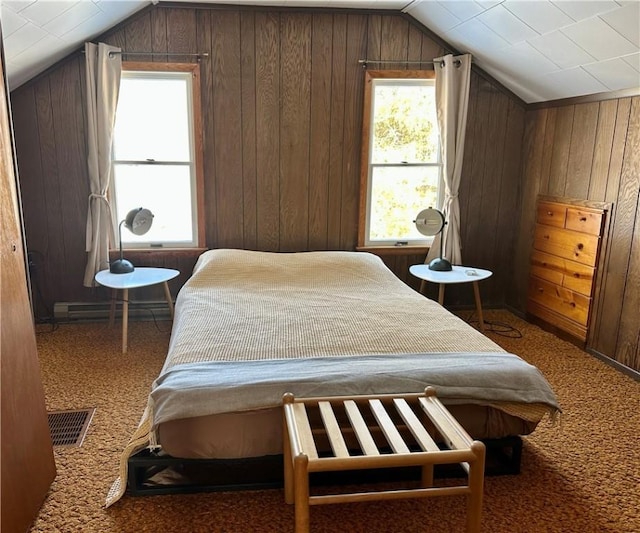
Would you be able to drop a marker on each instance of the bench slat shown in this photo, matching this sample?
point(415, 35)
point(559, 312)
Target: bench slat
point(304, 431)
point(360, 428)
point(388, 427)
point(453, 433)
point(415, 426)
point(333, 430)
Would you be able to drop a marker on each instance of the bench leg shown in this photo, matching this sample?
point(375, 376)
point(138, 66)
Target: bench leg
point(427, 476)
point(476, 485)
point(288, 466)
point(301, 483)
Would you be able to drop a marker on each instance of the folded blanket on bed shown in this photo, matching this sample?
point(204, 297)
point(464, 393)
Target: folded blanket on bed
point(199, 389)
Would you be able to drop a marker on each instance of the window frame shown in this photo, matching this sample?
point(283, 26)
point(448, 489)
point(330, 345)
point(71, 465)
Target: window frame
point(365, 163)
point(198, 156)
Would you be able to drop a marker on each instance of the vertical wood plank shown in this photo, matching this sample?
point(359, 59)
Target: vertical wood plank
point(338, 96)
point(628, 343)
point(467, 162)
point(69, 131)
point(622, 237)
point(225, 34)
point(320, 130)
point(181, 34)
point(560, 151)
point(602, 149)
point(138, 38)
point(159, 34)
point(374, 37)
point(583, 138)
point(599, 318)
point(472, 244)
point(267, 128)
point(354, 83)
point(394, 41)
point(295, 60)
point(547, 152)
point(534, 135)
point(203, 39)
point(509, 202)
point(249, 169)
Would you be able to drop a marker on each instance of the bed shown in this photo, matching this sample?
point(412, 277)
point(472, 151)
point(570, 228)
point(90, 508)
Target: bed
point(250, 326)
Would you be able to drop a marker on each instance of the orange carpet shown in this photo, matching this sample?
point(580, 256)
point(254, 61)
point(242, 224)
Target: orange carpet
point(579, 475)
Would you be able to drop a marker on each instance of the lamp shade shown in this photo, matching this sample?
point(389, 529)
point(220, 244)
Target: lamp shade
point(138, 221)
point(431, 222)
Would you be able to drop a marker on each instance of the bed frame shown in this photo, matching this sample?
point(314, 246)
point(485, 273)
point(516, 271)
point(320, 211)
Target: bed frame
point(256, 473)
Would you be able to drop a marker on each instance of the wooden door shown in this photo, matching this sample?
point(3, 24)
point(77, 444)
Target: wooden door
point(27, 463)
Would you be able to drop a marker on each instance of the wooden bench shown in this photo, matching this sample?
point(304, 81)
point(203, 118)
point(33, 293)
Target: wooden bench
point(403, 439)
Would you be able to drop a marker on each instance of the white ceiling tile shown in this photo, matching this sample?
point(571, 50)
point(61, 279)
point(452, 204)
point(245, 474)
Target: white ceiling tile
point(17, 5)
point(434, 16)
point(23, 38)
point(633, 60)
point(599, 39)
point(626, 21)
point(507, 25)
point(118, 10)
point(561, 50)
point(525, 60)
point(572, 82)
point(11, 21)
point(39, 49)
point(583, 9)
point(463, 9)
point(541, 16)
point(477, 36)
point(42, 12)
point(615, 74)
point(75, 16)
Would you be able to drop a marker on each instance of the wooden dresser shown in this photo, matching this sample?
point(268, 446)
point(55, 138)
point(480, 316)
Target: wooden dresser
point(566, 247)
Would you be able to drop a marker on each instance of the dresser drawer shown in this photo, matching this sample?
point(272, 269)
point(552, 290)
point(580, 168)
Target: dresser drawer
point(569, 274)
point(559, 321)
point(568, 244)
point(551, 214)
point(584, 220)
point(564, 301)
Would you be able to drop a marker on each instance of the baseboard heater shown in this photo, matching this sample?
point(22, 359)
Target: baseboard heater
point(95, 311)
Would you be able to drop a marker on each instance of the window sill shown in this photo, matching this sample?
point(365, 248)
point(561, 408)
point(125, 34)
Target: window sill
point(175, 251)
point(394, 250)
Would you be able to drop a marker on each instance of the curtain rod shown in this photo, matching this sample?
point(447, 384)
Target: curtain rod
point(364, 62)
point(184, 54)
point(198, 54)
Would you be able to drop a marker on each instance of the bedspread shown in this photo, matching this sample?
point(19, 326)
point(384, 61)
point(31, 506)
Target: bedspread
point(293, 315)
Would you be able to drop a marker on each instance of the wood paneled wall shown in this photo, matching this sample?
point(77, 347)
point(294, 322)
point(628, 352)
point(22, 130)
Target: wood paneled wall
point(282, 108)
point(591, 151)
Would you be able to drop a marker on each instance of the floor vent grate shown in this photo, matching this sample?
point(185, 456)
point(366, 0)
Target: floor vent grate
point(68, 428)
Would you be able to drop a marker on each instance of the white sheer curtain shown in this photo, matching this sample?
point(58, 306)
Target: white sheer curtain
point(103, 67)
point(453, 75)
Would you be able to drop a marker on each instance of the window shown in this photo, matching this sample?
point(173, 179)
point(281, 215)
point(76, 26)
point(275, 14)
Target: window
point(401, 168)
point(157, 153)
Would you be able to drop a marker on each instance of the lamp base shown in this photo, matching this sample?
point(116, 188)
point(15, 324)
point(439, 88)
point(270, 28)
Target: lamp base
point(440, 264)
point(121, 266)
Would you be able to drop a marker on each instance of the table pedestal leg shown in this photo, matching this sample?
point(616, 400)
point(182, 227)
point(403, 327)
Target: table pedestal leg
point(112, 309)
point(441, 294)
point(167, 294)
point(476, 293)
point(125, 318)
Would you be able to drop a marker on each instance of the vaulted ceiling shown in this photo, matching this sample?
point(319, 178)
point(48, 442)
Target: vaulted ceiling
point(541, 50)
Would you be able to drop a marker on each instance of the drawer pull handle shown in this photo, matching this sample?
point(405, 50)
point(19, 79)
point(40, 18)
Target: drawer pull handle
point(576, 275)
point(583, 219)
point(580, 246)
point(572, 304)
point(550, 213)
point(540, 289)
point(546, 237)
